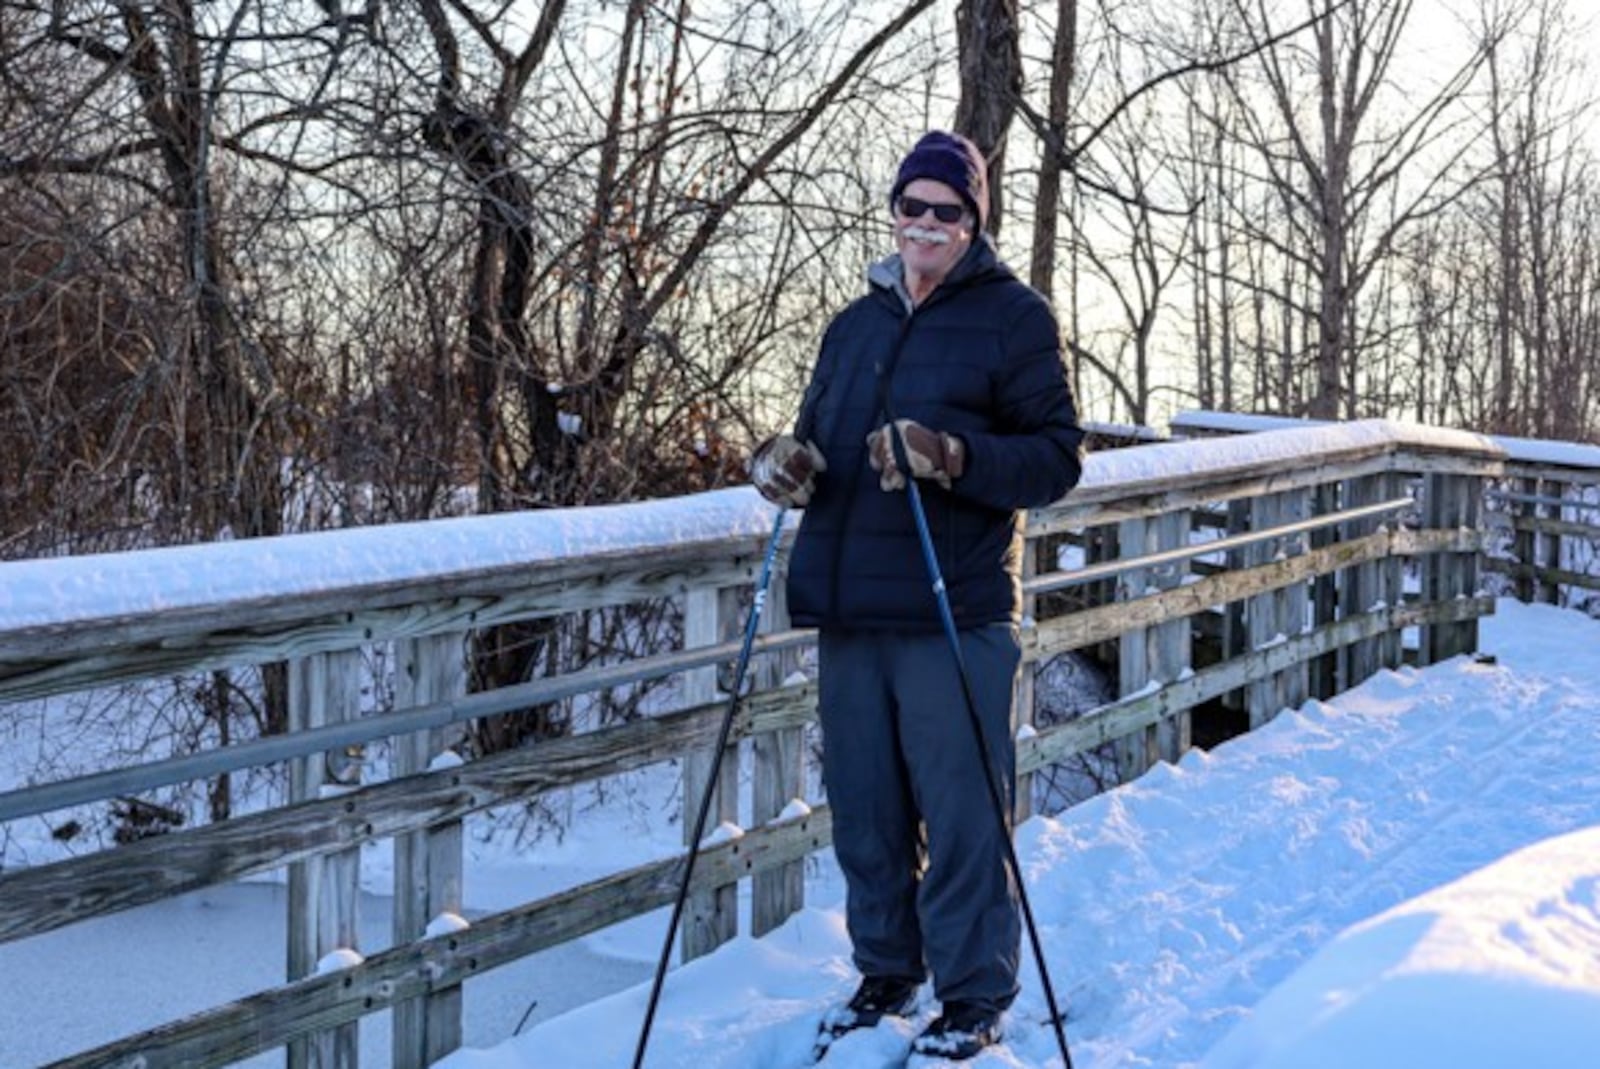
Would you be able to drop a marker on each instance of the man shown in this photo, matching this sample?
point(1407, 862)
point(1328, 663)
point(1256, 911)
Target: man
point(950, 351)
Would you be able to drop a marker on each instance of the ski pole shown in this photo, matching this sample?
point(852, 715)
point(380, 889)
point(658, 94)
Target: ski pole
point(751, 623)
point(897, 440)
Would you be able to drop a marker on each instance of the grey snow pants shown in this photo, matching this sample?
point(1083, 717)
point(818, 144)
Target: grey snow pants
point(914, 828)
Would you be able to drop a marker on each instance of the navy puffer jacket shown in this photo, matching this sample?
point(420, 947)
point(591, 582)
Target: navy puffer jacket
point(979, 358)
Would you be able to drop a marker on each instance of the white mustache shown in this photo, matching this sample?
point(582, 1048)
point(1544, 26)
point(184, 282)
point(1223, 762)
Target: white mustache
point(922, 233)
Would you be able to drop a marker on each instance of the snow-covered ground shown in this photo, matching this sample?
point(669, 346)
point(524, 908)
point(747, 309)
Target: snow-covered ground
point(1407, 876)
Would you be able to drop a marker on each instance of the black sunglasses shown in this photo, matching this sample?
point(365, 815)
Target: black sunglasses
point(912, 208)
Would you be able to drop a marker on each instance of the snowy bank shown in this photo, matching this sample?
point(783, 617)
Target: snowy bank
point(1501, 967)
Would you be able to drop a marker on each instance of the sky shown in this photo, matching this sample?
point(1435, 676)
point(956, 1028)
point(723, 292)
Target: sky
point(1406, 876)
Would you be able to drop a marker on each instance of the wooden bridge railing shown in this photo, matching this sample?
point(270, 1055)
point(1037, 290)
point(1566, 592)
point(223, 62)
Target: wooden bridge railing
point(1544, 513)
point(1258, 571)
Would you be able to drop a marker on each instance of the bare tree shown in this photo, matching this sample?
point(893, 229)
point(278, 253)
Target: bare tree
point(1134, 250)
point(588, 237)
point(1513, 363)
point(1336, 166)
point(989, 40)
point(1058, 112)
point(1542, 181)
point(147, 115)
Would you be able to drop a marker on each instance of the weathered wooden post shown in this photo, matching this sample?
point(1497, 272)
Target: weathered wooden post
point(1277, 614)
point(324, 688)
point(427, 864)
point(1171, 644)
point(711, 918)
point(1392, 574)
point(1324, 671)
point(1364, 588)
point(1547, 543)
point(1294, 600)
point(1135, 752)
point(1099, 545)
point(1524, 544)
point(1156, 654)
point(1450, 502)
point(1234, 636)
point(1023, 696)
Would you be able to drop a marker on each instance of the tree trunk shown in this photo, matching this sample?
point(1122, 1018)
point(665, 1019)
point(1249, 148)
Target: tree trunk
point(1047, 205)
point(1329, 199)
point(990, 58)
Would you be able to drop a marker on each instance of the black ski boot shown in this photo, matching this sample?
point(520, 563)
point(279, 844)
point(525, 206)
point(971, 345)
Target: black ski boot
point(960, 1032)
point(877, 997)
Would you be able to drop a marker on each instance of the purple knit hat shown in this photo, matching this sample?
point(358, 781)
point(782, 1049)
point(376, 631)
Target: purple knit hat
point(953, 160)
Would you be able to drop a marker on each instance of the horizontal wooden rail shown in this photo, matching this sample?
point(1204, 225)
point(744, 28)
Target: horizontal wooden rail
point(1129, 715)
point(1567, 475)
point(1113, 503)
point(30, 801)
point(1542, 499)
point(1077, 511)
point(1122, 565)
point(271, 1018)
point(1104, 622)
point(1563, 576)
point(45, 897)
point(1564, 528)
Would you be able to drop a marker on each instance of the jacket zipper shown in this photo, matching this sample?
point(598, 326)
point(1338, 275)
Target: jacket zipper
point(885, 373)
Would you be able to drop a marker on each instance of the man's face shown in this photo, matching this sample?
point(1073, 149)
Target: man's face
point(929, 246)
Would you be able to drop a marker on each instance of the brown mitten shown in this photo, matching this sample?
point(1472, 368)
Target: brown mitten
point(931, 454)
point(784, 469)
